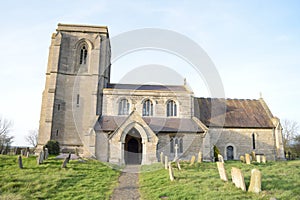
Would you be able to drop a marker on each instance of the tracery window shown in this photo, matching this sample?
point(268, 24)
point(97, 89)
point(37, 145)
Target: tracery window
point(83, 55)
point(179, 142)
point(171, 108)
point(148, 108)
point(123, 107)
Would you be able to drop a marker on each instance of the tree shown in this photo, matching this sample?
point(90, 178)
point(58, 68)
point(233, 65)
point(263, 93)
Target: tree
point(5, 139)
point(291, 137)
point(32, 137)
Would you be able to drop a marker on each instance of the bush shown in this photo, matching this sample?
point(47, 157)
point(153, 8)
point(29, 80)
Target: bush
point(216, 152)
point(53, 147)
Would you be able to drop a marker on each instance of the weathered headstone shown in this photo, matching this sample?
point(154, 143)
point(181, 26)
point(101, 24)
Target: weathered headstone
point(171, 174)
point(242, 159)
point(253, 155)
point(247, 158)
point(238, 178)
point(46, 154)
point(162, 157)
point(258, 158)
point(27, 154)
point(220, 158)
point(193, 160)
point(166, 162)
point(42, 156)
point(263, 159)
point(20, 162)
point(22, 152)
point(200, 155)
point(178, 164)
point(255, 181)
point(39, 159)
point(222, 171)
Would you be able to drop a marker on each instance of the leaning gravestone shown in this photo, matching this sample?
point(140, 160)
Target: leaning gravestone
point(222, 171)
point(247, 158)
point(171, 174)
point(162, 157)
point(67, 159)
point(200, 155)
point(258, 158)
point(20, 162)
point(193, 160)
point(263, 159)
point(255, 181)
point(220, 158)
point(166, 162)
point(238, 178)
point(178, 164)
point(242, 159)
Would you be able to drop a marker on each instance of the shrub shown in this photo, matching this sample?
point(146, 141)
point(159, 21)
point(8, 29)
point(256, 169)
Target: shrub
point(53, 147)
point(216, 152)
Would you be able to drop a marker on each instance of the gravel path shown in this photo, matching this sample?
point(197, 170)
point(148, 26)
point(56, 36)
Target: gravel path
point(128, 184)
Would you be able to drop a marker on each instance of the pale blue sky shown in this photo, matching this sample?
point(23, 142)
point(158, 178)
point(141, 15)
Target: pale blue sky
point(255, 46)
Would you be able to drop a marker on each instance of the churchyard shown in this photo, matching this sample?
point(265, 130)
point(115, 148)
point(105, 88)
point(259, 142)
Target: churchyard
point(90, 179)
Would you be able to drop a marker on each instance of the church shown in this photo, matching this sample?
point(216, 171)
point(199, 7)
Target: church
point(134, 123)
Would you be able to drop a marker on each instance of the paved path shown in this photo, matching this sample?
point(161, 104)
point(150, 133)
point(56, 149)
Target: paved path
point(128, 184)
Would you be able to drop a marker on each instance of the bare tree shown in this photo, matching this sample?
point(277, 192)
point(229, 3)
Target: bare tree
point(32, 137)
point(5, 139)
point(290, 132)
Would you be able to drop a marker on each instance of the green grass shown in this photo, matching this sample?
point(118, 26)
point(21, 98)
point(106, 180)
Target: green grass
point(201, 181)
point(80, 180)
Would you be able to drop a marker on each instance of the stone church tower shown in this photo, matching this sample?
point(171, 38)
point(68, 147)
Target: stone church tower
point(78, 69)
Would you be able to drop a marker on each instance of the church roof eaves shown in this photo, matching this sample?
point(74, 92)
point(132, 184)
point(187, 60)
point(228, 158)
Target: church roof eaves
point(177, 88)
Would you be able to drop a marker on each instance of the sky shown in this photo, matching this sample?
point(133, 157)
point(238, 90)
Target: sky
point(254, 45)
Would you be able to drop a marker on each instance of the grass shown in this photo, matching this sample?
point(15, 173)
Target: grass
point(201, 181)
point(80, 180)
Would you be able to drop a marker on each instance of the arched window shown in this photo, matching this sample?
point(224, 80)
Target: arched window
point(123, 107)
point(230, 153)
point(253, 140)
point(148, 108)
point(83, 55)
point(171, 108)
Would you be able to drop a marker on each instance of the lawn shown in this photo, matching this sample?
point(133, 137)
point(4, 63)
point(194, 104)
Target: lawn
point(88, 179)
point(201, 181)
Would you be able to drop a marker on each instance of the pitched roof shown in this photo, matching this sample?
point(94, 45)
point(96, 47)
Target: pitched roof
point(111, 123)
point(238, 113)
point(148, 87)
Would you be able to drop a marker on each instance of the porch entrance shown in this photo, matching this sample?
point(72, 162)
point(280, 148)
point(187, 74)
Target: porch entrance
point(133, 149)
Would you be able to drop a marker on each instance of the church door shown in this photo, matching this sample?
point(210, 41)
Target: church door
point(230, 153)
point(133, 150)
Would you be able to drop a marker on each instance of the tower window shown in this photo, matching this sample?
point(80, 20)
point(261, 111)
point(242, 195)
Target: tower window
point(57, 132)
point(171, 108)
point(83, 55)
point(58, 107)
point(123, 107)
point(148, 108)
point(77, 99)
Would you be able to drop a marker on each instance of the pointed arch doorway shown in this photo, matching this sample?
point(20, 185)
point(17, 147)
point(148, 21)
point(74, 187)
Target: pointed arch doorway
point(133, 148)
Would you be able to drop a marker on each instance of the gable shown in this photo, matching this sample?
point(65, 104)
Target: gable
point(239, 113)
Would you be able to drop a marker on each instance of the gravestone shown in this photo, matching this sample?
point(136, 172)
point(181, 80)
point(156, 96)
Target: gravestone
point(222, 171)
point(3, 152)
point(46, 153)
point(27, 154)
point(171, 174)
point(42, 156)
point(263, 159)
point(200, 155)
point(22, 152)
point(253, 155)
point(258, 158)
point(220, 158)
point(247, 158)
point(162, 157)
point(242, 159)
point(166, 162)
point(178, 164)
point(20, 162)
point(193, 160)
point(39, 159)
point(238, 178)
point(255, 181)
